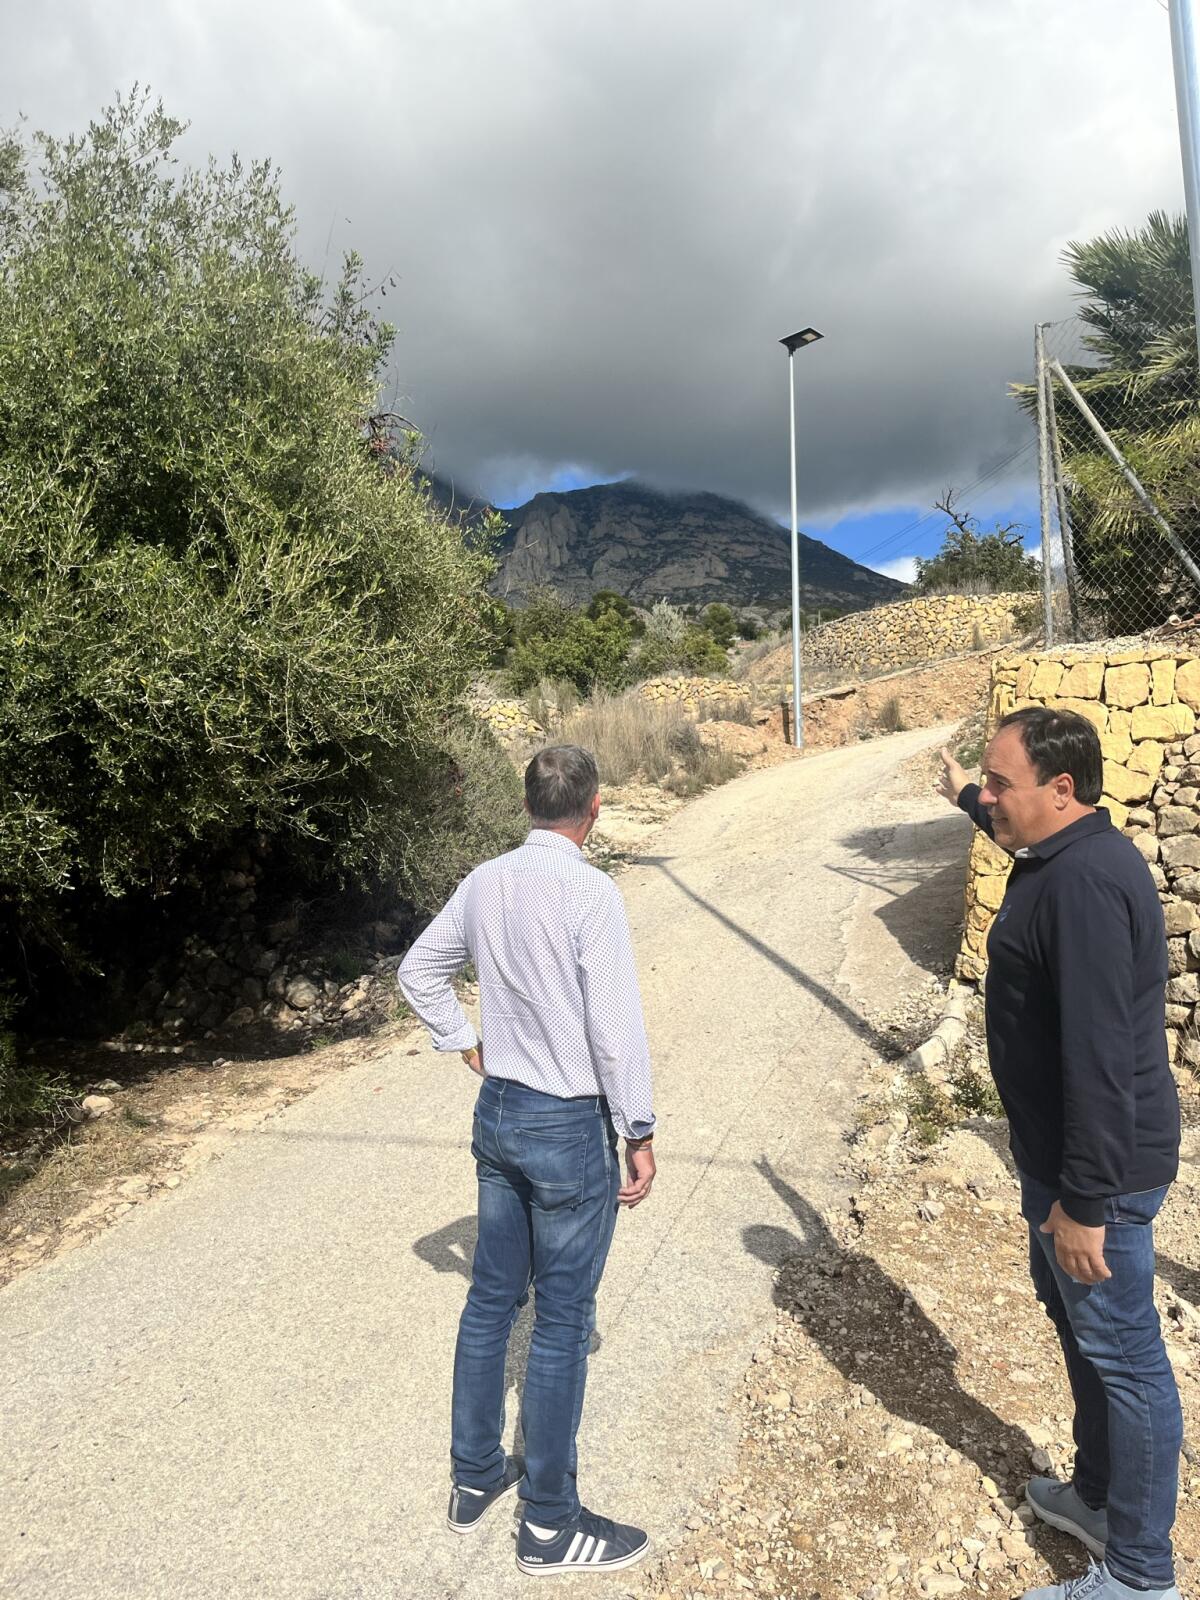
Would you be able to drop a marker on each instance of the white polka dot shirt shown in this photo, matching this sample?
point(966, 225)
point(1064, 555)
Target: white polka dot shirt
point(558, 989)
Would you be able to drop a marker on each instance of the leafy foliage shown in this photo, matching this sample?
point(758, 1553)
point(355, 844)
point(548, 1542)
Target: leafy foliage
point(224, 606)
point(719, 622)
point(557, 641)
point(1137, 306)
point(973, 562)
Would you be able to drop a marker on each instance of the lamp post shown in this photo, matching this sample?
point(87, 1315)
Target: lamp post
point(1185, 27)
point(794, 342)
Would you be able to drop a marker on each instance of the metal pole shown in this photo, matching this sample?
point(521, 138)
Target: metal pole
point(1039, 352)
point(1064, 511)
point(1148, 506)
point(797, 712)
point(1185, 27)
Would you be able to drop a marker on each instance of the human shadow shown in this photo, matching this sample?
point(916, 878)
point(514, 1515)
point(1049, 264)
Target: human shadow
point(924, 916)
point(452, 1249)
point(1183, 1279)
point(821, 992)
point(859, 1318)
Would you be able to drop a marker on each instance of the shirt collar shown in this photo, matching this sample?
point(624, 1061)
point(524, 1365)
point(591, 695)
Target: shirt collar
point(549, 840)
point(1097, 821)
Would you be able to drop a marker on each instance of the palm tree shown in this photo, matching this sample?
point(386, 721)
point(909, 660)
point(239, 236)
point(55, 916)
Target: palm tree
point(1137, 310)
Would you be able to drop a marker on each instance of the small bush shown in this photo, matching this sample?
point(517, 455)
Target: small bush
point(974, 1093)
point(28, 1095)
point(556, 641)
point(889, 718)
point(930, 1112)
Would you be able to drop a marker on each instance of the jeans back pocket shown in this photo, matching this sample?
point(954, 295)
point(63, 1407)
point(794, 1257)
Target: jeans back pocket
point(554, 1163)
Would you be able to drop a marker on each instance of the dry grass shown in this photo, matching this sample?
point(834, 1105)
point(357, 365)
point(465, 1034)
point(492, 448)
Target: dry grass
point(553, 699)
point(653, 740)
point(890, 717)
point(737, 708)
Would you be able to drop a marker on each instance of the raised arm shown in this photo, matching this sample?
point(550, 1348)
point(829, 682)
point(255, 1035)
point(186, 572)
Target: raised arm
point(955, 786)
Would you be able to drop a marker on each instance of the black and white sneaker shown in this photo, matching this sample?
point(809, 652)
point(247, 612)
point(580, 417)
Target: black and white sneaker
point(593, 1544)
point(468, 1507)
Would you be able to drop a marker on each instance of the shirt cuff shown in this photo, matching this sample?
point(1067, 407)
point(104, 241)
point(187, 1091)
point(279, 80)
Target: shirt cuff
point(464, 1038)
point(1084, 1209)
point(637, 1129)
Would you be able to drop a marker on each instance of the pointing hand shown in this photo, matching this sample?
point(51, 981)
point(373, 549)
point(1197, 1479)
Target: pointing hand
point(952, 780)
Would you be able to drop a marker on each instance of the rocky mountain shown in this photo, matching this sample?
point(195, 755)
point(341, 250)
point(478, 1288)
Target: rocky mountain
point(688, 548)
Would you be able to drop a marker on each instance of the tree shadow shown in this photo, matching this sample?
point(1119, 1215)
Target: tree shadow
point(859, 1318)
point(452, 1249)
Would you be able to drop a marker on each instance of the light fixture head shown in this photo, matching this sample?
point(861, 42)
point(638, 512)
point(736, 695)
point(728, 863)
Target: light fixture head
point(796, 341)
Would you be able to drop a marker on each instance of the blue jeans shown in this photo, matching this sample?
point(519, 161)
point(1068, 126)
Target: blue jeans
point(1128, 1423)
point(548, 1181)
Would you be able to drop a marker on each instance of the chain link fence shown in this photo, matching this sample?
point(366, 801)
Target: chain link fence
point(1116, 402)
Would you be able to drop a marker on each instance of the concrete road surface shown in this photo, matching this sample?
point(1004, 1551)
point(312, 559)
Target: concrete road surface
point(242, 1390)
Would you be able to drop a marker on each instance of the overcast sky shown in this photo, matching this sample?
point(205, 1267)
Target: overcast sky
point(604, 213)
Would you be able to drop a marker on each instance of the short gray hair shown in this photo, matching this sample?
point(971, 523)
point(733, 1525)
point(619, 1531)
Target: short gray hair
point(560, 783)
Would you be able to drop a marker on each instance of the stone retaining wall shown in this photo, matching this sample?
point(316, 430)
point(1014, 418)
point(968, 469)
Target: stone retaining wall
point(1144, 703)
point(908, 631)
point(693, 692)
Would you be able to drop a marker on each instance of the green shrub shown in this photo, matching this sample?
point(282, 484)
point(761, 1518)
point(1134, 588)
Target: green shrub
point(974, 1092)
point(557, 641)
point(700, 654)
point(930, 1112)
point(225, 607)
point(718, 621)
point(28, 1094)
point(469, 809)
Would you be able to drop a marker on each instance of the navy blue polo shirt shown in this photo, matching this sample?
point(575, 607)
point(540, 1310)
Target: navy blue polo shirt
point(1077, 969)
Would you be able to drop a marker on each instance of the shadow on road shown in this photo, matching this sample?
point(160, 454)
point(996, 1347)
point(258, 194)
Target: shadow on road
point(852, 1309)
point(1184, 1280)
point(833, 1003)
point(921, 916)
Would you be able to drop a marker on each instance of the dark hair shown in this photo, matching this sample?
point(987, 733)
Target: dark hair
point(1061, 741)
point(560, 783)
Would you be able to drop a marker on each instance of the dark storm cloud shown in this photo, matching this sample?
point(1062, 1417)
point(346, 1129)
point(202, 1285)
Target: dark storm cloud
point(604, 216)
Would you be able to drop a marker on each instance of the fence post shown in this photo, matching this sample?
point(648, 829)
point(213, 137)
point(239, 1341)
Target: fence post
point(1064, 512)
point(1039, 353)
point(1151, 510)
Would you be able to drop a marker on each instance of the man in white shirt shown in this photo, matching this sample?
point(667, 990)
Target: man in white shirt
point(567, 1071)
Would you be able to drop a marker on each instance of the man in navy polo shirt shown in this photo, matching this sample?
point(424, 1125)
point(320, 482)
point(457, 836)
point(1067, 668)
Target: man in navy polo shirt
point(1077, 968)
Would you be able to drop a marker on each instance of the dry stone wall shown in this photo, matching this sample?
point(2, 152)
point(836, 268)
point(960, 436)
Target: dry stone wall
point(1144, 703)
point(926, 629)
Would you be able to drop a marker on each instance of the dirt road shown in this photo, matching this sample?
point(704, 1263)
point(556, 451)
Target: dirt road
point(242, 1389)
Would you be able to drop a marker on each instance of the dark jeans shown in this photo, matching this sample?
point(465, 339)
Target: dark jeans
point(1128, 1423)
point(548, 1181)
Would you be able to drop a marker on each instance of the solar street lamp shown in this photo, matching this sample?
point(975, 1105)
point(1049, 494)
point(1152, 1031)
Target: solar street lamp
point(794, 342)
